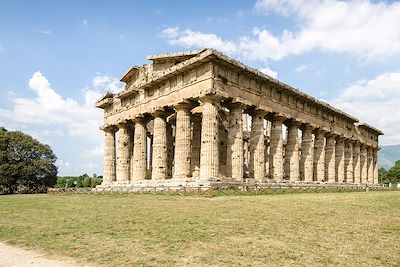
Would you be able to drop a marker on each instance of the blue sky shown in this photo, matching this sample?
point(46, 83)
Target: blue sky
point(57, 56)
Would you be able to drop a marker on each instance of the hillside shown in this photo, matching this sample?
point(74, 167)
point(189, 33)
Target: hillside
point(388, 156)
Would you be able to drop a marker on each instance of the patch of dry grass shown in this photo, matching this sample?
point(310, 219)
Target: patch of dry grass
point(321, 229)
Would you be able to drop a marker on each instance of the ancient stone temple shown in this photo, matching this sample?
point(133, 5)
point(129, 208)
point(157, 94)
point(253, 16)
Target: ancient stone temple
point(201, 117)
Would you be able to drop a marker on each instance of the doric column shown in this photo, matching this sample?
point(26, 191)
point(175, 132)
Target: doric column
point(330, 158)
point(159, 157)
point(196, 145)
point(363, 164)
point(292, 162)
point(348, 161)
point(357, 162)
point(257, 146)
point(375, 155)
point(276, 149)
point(109, 175)
point(319, 156)
point(182, 141)
point(306, 161)
point(245, 122)
point(139, 165)
point(170, 150)
point(209, 155)
point(370, 165)
point(339, 159)
point(235, 160)
point(123, 153)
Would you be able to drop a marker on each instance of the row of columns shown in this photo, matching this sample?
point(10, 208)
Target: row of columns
point(324, 158)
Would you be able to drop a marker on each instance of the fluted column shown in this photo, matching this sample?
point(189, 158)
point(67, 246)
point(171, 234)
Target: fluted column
point(235, 157)
point(196, 145)
point(276, 149)
point(209, 155)
point(140, 150)
point(370, 166)
point(292, 161)
point(348, 161)
point(330, 158)
point(339, 159)
point(319, 156)
point(357, 162)
point(170, 150)
point(257, 146)
point(182, 141)
point(363, 164)
point(159, 159)
point(109, 171)
point(306, 161)
point(123, 159)
point(375, 166)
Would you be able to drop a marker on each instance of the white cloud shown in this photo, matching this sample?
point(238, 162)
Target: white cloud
point(85, 23)
point(107, 83)
point(357, 27)
point(376, 102)
point(192, 39)
point(46, 32)
point(269, 72)
point(49, 108)
point(97, 151)
point(300, 68)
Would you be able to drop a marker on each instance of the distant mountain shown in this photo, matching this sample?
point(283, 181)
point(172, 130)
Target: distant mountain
point(388, 155)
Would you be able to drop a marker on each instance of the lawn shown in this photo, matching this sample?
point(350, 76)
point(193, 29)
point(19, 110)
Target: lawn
point(312, 229)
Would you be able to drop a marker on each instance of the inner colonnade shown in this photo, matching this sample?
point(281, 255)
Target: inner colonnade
point(201, 117)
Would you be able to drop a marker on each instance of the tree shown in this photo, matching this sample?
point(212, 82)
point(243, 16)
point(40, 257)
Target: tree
point(26, 165)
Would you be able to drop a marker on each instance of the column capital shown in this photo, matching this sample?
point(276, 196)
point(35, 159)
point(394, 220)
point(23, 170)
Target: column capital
point(139, 118)
point(319, 131)
point(340, 138)
point(236, 105)
point(214, 99)
point(331, 135)
point(306, 127)
point(109, 128)
point(159, 112)
point(186, 104)
point(257, 111)
point(277, 117)
point(292, 122)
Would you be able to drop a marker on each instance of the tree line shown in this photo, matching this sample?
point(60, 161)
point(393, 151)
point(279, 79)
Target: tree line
point(391, 176)
point(83, 180)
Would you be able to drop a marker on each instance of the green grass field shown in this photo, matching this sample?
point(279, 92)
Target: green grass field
point(313, 229)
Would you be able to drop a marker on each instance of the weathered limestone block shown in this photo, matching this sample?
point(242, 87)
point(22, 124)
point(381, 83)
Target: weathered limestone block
point(306, 162)
point(357, 162)
point(123, 160)
point(209, 154)
point(292, 161)
point(363, 164)
point(339, 160)
point(109, 171)
point(235, 157)
point(196, 145)
point(159, 157)
point(330, 158)
point(319, 156)
point(276, 149)
point(370, 165)
point(182, 141)
point(348, 161)
point(140, 150)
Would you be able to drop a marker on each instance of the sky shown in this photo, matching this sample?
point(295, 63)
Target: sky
point(58, 57)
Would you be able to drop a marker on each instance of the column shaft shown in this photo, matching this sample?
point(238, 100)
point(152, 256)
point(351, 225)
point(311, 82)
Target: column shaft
point(235, 159)
point(109, 170)
point(319, 156)
point(196, 145)
point(306, 162)
point(257, 146)
point(182, 142)
point(276, 149)
point(159, 159)
point(123, 160)
point(370, 166)
point(292, 163)
point(139, 165)
point(330, 159)
point(376, 166)
point(357, 162)
point(209, 154)
point(339, 160)
point(348, 161)
point(363, 164)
